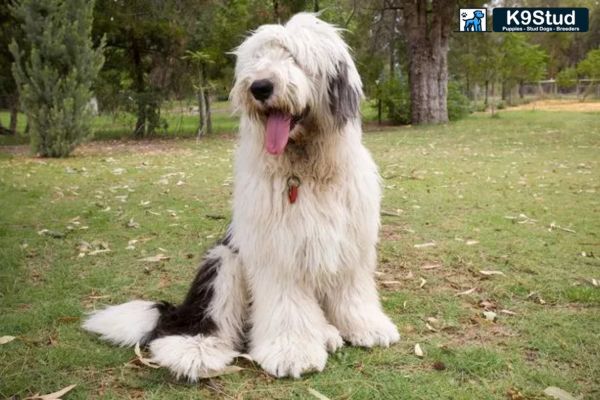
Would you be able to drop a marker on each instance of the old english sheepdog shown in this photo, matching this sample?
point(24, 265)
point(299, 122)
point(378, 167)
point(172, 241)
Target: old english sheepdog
point(294, 277)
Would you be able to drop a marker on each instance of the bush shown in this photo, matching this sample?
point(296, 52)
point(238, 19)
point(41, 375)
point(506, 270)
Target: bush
point(395, 98)
point(56, 73)
point(458, 103)
point(567, 78)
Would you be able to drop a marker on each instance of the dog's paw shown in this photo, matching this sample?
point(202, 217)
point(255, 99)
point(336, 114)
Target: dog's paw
point(290, 355)
point(192, 357)
point(378, 331)
point(333, 339)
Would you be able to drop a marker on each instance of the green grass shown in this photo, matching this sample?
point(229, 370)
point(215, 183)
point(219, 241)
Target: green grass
point(486, 191)
point(120, 125)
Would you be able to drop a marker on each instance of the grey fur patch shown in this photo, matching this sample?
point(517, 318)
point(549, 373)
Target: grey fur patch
point(344, 100)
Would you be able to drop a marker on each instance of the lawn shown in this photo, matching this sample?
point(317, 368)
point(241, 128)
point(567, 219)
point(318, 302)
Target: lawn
point(515, 197)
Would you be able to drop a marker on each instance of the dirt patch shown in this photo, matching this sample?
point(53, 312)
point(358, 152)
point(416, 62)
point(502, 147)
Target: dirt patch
point(150, 147)
point(560, 105)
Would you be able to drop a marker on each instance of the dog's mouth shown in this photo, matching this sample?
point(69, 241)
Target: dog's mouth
point(278, 128)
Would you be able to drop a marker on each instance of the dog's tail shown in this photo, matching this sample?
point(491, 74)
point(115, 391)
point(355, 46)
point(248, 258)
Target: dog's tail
point(125, 324)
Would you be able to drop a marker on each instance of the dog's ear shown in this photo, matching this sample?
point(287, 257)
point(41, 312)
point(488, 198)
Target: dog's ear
point(344, 99)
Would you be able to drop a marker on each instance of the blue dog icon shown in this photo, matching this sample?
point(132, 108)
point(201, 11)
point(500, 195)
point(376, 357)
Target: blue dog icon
point(474, 24)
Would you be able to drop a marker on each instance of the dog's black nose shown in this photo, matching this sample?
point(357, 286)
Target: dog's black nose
point(261, 89)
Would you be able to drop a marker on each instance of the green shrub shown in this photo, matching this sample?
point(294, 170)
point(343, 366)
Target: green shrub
point(458, 103)
point(567, 78)
point(56, 72)
point(395, 98)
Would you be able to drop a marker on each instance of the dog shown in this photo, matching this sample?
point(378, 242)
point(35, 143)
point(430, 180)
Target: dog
point(474, 24)
point(294, 276)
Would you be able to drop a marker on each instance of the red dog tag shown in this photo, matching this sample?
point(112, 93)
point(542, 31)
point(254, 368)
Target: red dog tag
point(293, 185)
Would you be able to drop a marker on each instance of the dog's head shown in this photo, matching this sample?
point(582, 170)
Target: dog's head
point(478, 14)
point(288, 75)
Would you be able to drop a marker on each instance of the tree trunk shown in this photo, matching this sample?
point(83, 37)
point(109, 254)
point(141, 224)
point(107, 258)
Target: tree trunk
point(428, 58)
point(485, 101)
point(205, 121)
point(14, 113)
point(521, 89)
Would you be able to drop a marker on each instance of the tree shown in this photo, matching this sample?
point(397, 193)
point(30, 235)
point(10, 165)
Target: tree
point(143, 47)
point(521, 62)
point(427, 26)
point(55, 75)
point(9, 95)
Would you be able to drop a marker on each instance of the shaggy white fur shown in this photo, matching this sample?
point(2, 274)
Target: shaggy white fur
point(125, 324)
point(297, 270)
point(308, 264)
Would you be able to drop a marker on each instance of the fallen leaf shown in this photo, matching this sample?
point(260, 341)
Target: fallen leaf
point(423, 282)
point(230, 369)
point(431, 266)
point(146, 361)
point(508, 312)
point(466, 292)
point(6, 339)
point(553, 226)
point(429, 327)
point(558, 393)
point(490, 315)
point(419, 351)
point(486, 304)
point(595, 282)
point(471, 242)
point(52, 396)
point(490, 273)
point(132, 224)
point(424, 245)
point(54, 234)
point(318, 395)
point(154, 259)
point(390, 283)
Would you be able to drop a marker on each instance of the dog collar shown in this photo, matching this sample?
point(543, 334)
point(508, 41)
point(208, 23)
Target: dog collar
point(293, 183)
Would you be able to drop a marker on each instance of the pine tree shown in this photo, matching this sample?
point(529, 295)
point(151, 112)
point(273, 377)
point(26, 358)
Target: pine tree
point(56, 71)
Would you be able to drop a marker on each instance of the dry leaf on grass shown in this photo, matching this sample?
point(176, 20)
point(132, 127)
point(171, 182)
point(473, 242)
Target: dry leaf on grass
point(431, 266)
point(558, 393)
point(6, 339)
point(52, 396)
point(553, 226)
point(490, 273)
point(490, 315)
point(424, 245)
point(423, 282)
point(418, 351)
point(143, 360)
point(132, 224)
point(230, 369)
point(154, 259)
point(471, 242)
point(318, 395)
point(466, 292)
point(508, 312)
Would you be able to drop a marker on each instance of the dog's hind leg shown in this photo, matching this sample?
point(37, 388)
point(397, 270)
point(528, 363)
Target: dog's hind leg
point(202, 334)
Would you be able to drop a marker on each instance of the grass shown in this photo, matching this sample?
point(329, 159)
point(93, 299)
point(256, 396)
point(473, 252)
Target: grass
point(183, 123)
point(485, 191)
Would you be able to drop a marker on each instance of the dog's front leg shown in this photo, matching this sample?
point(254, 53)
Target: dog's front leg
point(353, 306)
point(290, 335)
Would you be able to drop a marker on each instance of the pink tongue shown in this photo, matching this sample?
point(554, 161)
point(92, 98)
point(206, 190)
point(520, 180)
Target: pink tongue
point(278, 132)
